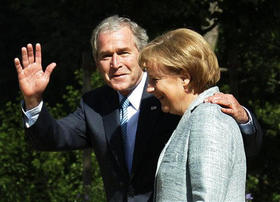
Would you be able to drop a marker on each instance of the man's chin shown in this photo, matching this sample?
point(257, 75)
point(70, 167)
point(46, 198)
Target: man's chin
point(124, 90)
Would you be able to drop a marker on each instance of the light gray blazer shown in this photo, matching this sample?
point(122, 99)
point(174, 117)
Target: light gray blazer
point(204, 159)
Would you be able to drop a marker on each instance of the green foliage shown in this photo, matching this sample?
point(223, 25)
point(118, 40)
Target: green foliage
point(248, 46)
point(262, 181)
point(28, 175)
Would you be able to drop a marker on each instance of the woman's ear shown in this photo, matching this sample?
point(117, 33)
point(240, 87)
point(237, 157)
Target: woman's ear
point(185, 82)
point(186, 79)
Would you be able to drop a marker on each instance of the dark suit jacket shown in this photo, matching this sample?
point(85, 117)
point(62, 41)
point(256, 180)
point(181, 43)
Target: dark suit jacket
point(96, 124)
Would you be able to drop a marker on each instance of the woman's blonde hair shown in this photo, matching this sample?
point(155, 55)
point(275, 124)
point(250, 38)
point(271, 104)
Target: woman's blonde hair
point(183, 51)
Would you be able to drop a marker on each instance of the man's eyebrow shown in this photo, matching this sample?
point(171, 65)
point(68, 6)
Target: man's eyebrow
point(102, 53)
point(123, 49)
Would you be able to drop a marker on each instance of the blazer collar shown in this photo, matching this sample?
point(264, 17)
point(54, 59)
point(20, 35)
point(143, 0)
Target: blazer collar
point(200, 98)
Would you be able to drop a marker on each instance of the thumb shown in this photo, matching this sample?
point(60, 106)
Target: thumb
point(49, 69)
point(228, 111)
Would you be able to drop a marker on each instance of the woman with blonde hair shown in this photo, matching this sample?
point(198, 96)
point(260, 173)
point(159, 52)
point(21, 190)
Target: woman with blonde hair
point(204, 159)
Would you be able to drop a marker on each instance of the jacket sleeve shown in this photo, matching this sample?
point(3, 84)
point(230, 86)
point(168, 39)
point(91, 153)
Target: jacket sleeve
point(68, 133)
point(215, 150)
point(253, 142)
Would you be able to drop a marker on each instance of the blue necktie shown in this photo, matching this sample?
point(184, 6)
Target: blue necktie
point(123, 121)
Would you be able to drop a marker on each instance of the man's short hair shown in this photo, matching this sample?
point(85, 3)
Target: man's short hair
point(114, 23)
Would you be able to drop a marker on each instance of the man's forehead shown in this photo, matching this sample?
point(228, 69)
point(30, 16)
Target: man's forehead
point(117, 39)
point(121, 31)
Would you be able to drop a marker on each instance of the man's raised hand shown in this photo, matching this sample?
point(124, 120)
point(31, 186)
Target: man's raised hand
point(33, 80)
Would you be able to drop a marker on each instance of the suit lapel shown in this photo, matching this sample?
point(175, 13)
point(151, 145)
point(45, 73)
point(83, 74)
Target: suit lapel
point(112, 129)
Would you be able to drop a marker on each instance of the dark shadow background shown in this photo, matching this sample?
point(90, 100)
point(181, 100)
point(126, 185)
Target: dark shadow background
point(63, 27)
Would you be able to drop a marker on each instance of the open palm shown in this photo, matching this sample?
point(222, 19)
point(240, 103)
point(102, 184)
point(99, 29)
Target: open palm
point(32, 79)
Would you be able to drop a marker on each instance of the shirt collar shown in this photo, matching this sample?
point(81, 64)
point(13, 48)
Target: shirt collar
point(135, 96)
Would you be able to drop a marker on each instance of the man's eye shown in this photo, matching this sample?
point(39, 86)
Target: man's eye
point(124, 53)
point(105, 57)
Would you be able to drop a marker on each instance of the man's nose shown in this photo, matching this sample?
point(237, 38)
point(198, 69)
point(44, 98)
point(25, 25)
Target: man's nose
point(115, 62)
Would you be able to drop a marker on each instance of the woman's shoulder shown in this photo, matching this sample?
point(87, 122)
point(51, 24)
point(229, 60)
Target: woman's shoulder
point(210, 111)
point(208, 115)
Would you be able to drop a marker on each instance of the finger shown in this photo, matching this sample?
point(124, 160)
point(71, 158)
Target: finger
point(214, 97)
point(219, 101)
point(30, 53)
point(208, 99)
point(240, 118)
point(232, 99)
point(218, 94)
point(24, 56)
point(38, 55)
point(224, 99)
point(18, 65)
point(228, 111)
point(225, 103)
point(49, 69)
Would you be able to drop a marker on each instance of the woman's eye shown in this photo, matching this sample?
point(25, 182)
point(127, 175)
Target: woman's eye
point(154, 80)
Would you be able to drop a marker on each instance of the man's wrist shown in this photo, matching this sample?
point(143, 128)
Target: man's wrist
point(30, 103)
point(247, 128)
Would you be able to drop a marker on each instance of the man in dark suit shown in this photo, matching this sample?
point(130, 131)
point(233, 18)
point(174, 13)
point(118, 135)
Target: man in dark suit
point(128, 158)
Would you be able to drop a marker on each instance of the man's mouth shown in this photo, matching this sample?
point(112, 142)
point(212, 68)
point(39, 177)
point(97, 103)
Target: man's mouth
point(118, 75)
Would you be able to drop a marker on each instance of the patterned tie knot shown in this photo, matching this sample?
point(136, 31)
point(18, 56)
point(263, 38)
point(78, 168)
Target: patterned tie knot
point(124, 102)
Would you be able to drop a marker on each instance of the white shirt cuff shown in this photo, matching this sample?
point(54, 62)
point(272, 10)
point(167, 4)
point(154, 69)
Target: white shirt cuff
point(31, 116)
